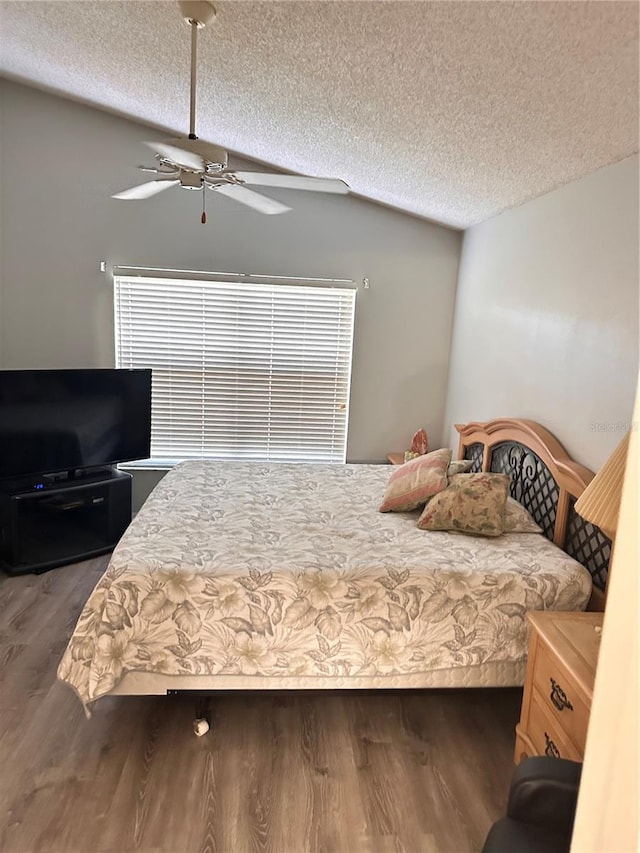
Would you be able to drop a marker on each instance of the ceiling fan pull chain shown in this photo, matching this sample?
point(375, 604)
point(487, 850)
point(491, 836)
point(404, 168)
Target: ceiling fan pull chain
point(194, 51)
point(203, 218)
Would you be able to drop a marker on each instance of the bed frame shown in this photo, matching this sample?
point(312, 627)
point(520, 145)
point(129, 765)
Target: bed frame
point(546, 482)
point(543, 479)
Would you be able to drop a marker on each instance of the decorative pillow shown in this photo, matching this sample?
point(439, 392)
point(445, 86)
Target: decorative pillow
point(472, 503)
point(459, 466)
point(518, 520)
point(420, 442)
point(413, 483)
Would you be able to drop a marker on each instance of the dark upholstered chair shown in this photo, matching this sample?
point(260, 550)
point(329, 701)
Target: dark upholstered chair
point(541, 808)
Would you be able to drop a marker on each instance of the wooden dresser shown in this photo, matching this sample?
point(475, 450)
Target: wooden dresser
point(563, 653)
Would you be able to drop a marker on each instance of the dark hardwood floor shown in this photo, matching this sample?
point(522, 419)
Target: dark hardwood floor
point(286, 773)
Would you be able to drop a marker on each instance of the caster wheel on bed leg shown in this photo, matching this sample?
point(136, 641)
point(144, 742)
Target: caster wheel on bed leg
point(200, 726)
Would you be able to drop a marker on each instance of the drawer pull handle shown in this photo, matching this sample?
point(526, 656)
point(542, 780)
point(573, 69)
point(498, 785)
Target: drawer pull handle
point(559, 697)
point(551, 749)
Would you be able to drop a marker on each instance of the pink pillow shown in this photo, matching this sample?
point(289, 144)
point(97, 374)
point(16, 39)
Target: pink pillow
point(412, 484)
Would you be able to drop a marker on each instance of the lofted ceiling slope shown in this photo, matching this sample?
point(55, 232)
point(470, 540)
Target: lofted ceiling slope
point(453, 111)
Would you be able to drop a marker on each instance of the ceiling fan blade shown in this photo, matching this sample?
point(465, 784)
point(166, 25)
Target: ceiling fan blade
point(258, 202)
point(146, 190)
point(178, 155)
point(293, 182)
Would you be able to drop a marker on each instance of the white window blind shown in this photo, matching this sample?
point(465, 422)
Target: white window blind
point(240, 371)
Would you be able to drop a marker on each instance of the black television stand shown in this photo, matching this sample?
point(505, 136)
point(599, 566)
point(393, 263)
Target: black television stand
point(50, 522)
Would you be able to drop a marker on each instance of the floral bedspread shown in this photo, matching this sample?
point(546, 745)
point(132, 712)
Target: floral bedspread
point(277, 569)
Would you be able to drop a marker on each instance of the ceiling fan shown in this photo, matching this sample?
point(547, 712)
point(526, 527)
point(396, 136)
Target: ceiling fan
point(194, 164)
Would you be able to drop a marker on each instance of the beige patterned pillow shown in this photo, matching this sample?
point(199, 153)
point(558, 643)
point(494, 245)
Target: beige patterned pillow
point(472, 503)
point(459, 466)
point(412, 484)
point(518, 520)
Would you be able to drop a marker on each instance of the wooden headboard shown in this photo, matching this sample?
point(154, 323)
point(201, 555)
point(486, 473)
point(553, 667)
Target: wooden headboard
point(545, 481)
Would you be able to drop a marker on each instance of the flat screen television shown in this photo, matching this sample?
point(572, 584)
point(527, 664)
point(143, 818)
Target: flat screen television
point(69, 420)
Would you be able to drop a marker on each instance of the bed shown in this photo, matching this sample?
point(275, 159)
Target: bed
point(276, 576)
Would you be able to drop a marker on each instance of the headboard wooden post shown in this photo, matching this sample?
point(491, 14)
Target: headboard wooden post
point(562, 516)
point(531, 448)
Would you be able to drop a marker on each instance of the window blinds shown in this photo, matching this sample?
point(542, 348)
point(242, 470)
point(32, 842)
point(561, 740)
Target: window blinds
point(240, 371)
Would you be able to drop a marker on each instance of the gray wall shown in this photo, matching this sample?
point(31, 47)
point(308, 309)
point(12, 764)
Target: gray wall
point(60, 161)
point(546, 319)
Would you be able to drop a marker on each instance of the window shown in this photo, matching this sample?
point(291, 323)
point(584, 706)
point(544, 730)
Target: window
point(240, 371)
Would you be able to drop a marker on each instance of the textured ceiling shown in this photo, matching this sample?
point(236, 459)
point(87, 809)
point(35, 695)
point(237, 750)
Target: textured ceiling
point(450, 110)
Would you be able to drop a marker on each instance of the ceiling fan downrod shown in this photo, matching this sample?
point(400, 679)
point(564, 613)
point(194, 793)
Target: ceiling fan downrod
point(192, 102)
point(197, 13)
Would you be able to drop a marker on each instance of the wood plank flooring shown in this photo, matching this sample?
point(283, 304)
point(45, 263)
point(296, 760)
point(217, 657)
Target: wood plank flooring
point(285, 773)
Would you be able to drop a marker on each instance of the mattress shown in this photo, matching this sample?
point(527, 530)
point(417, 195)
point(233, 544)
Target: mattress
point(250, 575)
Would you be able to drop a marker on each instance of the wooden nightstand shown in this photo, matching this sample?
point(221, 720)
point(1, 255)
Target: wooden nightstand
point(396, 458)
point(563, 653)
